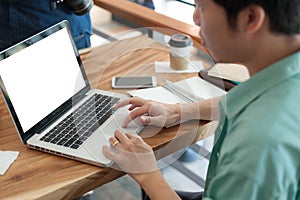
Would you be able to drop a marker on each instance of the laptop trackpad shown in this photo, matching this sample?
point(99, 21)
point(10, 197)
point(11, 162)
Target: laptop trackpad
point(94, 147)
point(118, 119)
point(95, 143)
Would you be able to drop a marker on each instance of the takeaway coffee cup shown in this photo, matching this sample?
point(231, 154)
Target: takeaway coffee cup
point(180, 49)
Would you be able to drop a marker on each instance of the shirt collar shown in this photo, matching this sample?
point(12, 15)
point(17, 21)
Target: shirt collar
point(242, 95)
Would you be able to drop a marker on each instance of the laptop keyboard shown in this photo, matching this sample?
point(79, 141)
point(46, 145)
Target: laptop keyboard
point(80, 124)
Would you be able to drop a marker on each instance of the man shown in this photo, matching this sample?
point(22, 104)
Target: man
point(22, 19)
point(256, 153)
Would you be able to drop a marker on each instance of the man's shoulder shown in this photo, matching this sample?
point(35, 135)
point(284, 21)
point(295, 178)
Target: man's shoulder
point(276, 107)
point(270, 119)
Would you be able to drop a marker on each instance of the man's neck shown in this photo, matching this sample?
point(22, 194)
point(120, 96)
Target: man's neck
point(271, 51)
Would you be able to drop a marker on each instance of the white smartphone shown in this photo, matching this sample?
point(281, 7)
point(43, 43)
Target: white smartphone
point(134, 82)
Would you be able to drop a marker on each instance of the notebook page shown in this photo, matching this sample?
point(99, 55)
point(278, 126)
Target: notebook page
point(156, 94)
point(196, 85)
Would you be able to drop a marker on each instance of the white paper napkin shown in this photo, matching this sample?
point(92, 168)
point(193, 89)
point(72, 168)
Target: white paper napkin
point(164, 67)
point(6, 159)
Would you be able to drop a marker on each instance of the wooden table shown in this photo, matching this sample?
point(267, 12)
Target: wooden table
point(38, 175)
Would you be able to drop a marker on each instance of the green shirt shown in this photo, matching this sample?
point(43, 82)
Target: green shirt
point(257, 149)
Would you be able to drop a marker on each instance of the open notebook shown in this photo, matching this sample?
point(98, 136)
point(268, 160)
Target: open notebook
point(184, 91)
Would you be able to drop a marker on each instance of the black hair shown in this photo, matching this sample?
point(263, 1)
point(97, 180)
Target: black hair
point(284, 15)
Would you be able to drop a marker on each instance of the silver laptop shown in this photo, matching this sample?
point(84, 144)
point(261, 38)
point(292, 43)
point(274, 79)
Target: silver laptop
point(51, 102)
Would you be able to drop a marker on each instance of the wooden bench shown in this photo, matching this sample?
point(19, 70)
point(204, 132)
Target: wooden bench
point(146, 17)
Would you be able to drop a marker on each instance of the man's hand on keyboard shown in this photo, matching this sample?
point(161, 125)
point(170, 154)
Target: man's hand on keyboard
point(151, 112)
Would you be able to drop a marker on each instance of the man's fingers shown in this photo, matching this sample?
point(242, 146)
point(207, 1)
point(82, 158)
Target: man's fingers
point(121, 104)
point(132, 107)
point(135, 101)
point(134, 114)
point(155, 121)
point(121, 137)
point(131, 135)
point(109, 153)
point(145, 120)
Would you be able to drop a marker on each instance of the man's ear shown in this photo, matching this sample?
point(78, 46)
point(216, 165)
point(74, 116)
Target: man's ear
point(252, 18)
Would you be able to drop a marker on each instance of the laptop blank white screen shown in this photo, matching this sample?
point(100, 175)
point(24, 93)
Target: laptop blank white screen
point(41, 77)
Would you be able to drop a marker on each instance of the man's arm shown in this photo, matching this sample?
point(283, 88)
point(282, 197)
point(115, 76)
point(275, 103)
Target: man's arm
point(203, 110)
point(155, 185)
point(161, 114)
point(132, 155)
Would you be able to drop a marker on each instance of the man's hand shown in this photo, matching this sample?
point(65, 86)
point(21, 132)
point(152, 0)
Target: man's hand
point(151, 112)
point(130, 154)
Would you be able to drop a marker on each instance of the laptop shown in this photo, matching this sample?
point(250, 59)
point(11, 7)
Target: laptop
point(53, 107)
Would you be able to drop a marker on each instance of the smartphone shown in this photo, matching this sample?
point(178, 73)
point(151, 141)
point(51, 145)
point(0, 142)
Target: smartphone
point(134, 82)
